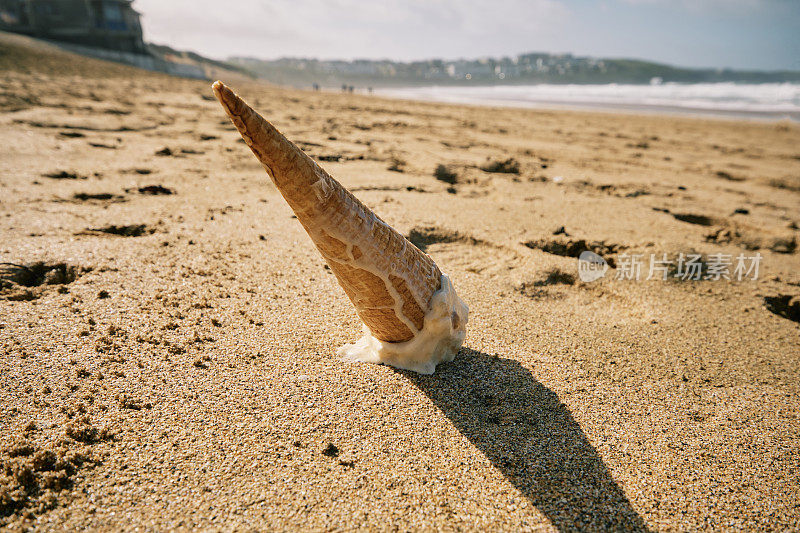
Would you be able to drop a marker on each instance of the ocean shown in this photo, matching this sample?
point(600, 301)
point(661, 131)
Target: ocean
point(765, 101)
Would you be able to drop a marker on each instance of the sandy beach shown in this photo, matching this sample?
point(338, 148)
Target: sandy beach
point(169, 332)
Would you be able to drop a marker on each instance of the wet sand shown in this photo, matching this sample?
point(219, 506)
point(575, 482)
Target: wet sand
point(169, 331)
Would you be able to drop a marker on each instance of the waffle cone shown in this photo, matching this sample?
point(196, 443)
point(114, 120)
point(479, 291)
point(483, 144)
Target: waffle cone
point(388, 279)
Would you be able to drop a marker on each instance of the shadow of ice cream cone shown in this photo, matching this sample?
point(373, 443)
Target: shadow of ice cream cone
point(522, 427)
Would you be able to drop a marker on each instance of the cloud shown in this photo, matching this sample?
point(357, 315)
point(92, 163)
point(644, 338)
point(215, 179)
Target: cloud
point(738, 33)
point(352, 28)
point(715, 6)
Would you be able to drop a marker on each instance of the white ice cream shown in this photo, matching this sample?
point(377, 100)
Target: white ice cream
point(439, 340)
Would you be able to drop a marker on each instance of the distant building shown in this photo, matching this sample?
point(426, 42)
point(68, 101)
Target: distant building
point(111, 24)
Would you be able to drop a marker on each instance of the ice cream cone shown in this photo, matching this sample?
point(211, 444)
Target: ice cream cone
point(388, 279)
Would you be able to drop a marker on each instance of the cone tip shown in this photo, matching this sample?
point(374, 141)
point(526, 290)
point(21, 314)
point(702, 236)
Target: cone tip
point(225, 96)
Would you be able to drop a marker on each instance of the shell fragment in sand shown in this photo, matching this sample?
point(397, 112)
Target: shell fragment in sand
point(398, 291)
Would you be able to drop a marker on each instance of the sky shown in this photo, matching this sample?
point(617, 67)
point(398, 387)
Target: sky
point(744, 34)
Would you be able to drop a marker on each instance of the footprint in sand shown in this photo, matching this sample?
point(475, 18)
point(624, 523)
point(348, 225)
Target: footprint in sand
point(102, 145)
point(700, 220)
point(155, 190)
point(566, 247)
point(422, 237)
point(133, 230)
point(784, 305)
point(445, 174)
point(538, 288)
point(100, 197)
point(22, 282)
point(505, 166)
point(64, 175)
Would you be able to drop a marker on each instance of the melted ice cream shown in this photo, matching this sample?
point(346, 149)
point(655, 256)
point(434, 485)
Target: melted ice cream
point(439, 340)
